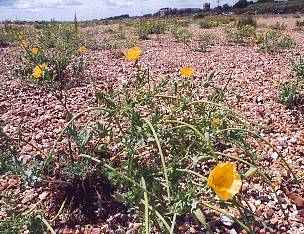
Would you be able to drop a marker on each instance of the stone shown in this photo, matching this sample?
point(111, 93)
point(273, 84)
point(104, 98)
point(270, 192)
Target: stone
point(274, 220)
point(28, 196)
point(297, 199)
point(274, 156)
point(269, 212)
point(226, 220)
point(233, 231)
point(293, 140)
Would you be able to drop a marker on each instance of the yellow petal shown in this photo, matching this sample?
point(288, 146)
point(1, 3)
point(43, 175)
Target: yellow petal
point(133, 54)
point(82, 49)
point(225, 180)
point(186, 71)
point(35, 50)
point(215, 122)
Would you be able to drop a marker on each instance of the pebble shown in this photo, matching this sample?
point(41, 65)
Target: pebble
point(293, 140)
point(226, 220)
point(275, 155)
point(257, 202)
point(274, 220)
point(297, 199)
point(269, 212)
point(28, 196)
point(233, 231)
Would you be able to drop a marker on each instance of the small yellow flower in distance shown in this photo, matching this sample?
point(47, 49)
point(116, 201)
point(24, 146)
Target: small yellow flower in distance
point(225, 180)
point(82, 49)
point(39, 69)
point(35, 50)
point(20, 34)
point(24, 44)
point(132, 54)
point(215, 122)
point(288, 34)
point(278, 81)
point(186, 71)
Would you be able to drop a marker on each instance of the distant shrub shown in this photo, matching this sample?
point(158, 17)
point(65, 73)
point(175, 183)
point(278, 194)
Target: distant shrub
point(298, 69)
point(38, 26)
point(181, 34)
point(145, 28)
point(109, 44)
point(278, 26)
point(289, 93)
point(180, 23)
point(206, 40)
point(300, 23)
point(208, 23)
point(238, 35)
point(109, 30)
point(274, 40)
point(247, 21)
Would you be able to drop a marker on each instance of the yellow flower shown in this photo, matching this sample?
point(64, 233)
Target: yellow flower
point(82, 49)
point(288, 34)
point(20, 34)
point(39, 70)
point(225, 180)
point(215, 122)
point(278, 81)
point(186, 71)
point(35, 50)
point(132, 54)
point(24, 44)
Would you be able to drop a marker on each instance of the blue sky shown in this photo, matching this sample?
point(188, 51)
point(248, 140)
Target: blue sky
point(89, 9)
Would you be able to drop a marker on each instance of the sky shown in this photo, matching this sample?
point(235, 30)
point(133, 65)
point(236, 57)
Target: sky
point(90, 9)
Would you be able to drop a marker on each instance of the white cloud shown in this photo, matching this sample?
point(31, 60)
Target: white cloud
point(38, 4)
point(90, 9)
point(119, 3)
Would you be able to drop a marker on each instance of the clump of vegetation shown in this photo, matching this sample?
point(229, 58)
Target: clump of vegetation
point(289, 92)
point(208, 23)
point(145, 28)
point(179, 23)
point(278, 26)
point(181, 34)
point(246, 21)
point(10, 33)
point(49, 56)
point(273, 40)
point(300, 23)
point(239, 34)
point(206, 40)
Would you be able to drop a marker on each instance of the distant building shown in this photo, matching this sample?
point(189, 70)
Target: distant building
point(206, 7)
point(163, 11)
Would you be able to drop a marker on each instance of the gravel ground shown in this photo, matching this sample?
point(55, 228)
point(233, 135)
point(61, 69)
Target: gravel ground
point(253, 73)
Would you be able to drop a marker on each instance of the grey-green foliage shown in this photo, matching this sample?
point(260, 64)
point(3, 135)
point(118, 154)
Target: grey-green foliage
point(206, 40)
point(289, 93)
point(16, 222)
point(181, 34)
point(298, 68)
point(145, 28)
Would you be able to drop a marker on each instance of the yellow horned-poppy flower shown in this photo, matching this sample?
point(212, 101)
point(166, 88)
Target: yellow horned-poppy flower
point(35, 50)
point(225, 180)
point(186, 71)
point(132, 54)
point(82, 49)
point(39, 69)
